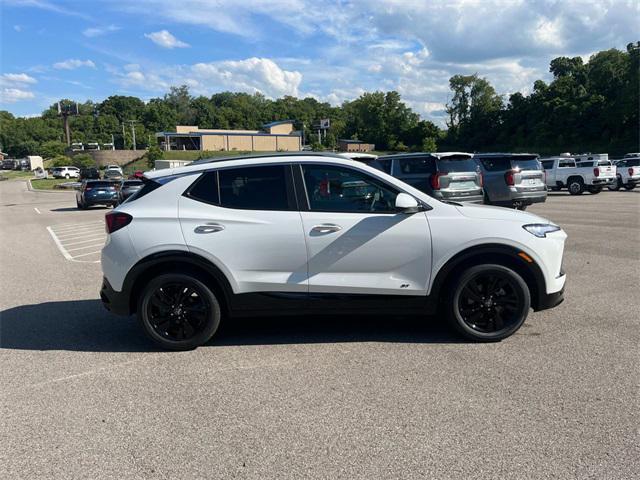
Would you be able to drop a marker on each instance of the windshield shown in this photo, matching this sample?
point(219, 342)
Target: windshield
point(460, 164)
point(100, 184)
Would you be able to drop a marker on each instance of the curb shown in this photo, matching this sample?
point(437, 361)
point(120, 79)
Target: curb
point(31, 189)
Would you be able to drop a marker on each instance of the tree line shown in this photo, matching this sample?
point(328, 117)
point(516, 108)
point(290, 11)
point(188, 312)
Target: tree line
point(590, 106)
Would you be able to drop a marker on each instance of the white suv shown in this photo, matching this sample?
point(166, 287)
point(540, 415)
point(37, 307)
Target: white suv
point(65, 172)
point(309, 233)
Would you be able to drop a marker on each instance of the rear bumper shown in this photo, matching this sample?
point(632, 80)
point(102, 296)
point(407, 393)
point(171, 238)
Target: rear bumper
point(115, 302)
point(474, 198)
point(603, 181)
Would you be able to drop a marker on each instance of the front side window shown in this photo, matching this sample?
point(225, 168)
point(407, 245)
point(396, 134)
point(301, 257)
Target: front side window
point(338, 189)
point(254, 188)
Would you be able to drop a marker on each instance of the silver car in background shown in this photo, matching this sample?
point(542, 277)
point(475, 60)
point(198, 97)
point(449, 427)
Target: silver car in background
point(513, 180)
point(450, 176)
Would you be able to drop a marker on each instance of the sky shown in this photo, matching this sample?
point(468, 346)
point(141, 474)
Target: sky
point(331, 50)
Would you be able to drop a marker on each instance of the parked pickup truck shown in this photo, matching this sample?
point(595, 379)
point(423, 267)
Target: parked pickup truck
point(565, 172)
point(628, 174)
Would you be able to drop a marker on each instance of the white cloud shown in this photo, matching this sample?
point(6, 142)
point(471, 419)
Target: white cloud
point(13, 95)
point(14, 78)
point(73, 63)
point(99, 31)
point(17, 28)
point(250, 75)
point(165, 39)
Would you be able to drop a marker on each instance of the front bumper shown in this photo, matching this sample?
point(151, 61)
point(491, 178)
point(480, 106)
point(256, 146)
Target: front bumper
point(550, 300)
point(115, 302)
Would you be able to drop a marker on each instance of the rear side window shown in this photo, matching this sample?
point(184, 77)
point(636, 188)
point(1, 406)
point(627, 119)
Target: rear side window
point(566, 163)
point(385, 165)
point(547, 165)
point(409, 166)
point(254, 188)
point(149, 186)
point(496, 164)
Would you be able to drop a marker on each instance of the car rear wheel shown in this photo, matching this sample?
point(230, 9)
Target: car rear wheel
point(488, 303)
point(629, 186)
point(615, 186)
point(178, 311)
point(576, 186)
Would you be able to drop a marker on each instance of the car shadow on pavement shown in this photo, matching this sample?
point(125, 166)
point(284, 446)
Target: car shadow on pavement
point(84, 325)
point(74, 209)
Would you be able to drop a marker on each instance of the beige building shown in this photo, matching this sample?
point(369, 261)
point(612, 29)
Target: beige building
point(274, 137)
point(355, 146)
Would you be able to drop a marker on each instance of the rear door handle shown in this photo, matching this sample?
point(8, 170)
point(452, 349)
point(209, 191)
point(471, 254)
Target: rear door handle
point(326, 228)
point(209, 228)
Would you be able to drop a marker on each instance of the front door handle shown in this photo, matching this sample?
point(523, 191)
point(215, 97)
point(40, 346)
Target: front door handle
point(326, 228)
point(209, 228)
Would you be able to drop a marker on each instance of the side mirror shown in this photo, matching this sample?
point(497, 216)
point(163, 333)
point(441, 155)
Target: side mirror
point(405, 203)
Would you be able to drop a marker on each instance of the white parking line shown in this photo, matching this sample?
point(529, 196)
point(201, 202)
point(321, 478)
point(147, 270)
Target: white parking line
point(87, 236)
point(37, 211)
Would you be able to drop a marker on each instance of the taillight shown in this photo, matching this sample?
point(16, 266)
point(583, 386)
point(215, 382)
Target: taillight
point(631, 171)
point(508, 178)
point(435, 180)
point(596, 172)
point(116, 220)
point(481, 179)
point(86, 189)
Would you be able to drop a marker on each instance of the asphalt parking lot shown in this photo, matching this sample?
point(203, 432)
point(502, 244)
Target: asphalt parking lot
point(84, 395)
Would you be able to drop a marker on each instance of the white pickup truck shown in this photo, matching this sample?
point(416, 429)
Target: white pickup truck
point(589, 175)
point(628, 173)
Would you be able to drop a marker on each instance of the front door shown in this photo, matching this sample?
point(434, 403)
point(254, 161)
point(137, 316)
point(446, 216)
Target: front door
point(356, 241)
point(245, 221)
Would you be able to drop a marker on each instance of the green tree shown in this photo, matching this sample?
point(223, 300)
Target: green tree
point(154, 153)
point(83, 160)
point(51, 148)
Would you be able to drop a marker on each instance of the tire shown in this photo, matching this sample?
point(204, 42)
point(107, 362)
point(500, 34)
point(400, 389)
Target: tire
point(67, 176)
point(594, 190)
point(175, 319)
point(615, 186)
point(629, 186)
point(479, 298)
point(575, 186)
point(522, 208)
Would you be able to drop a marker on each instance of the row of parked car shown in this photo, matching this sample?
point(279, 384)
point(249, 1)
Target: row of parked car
point(513, 180)
point(105, 192)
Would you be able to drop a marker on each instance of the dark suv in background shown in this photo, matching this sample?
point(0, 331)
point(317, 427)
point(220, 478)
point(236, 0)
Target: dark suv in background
point(97, 192)
point(512, 179)
point(446, 176)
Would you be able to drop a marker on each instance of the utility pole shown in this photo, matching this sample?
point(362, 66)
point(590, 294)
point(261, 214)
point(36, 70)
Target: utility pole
point(133, 133)
point(65, 111)
point(124, 138)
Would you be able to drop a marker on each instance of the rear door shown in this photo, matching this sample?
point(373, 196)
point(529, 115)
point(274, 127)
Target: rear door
point(458, 175)
point(607, 170)
point(528, 174)
point(357, 243)
point(245, 221)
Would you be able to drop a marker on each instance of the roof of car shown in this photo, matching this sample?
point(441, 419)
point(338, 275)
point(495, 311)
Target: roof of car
point(205, 164)
point(438, 155)
point(504, 154)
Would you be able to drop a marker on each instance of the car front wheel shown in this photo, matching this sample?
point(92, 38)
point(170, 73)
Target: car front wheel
point(178, 311)
point(488, 303)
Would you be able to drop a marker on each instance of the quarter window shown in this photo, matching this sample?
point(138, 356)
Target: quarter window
point(337, 189)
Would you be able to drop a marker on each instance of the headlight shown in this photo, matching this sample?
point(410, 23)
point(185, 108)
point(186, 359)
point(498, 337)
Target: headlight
point(541, 229)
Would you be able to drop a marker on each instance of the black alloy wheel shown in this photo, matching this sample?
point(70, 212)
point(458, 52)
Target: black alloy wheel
point(489, 302)
point(179, 312)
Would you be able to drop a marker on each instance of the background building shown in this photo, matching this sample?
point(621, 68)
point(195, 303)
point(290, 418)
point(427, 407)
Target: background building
point(274, 136)
point(355, 146)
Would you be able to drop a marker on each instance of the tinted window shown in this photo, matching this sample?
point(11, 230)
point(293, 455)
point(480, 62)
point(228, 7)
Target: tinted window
point(635, 162)
point(604, 163)
point(525, 163)
point(413, 165)
point(547, 164)
point(385, 165)
point(254, 188)
point(336, 189)
point(205, 188)
point(132, 183)
point(566, 163)
point(496, 164)
point(462, 164)
point(100, 184)
point(585, 164)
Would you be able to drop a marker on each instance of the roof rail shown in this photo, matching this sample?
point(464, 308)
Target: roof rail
point(266, 155)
